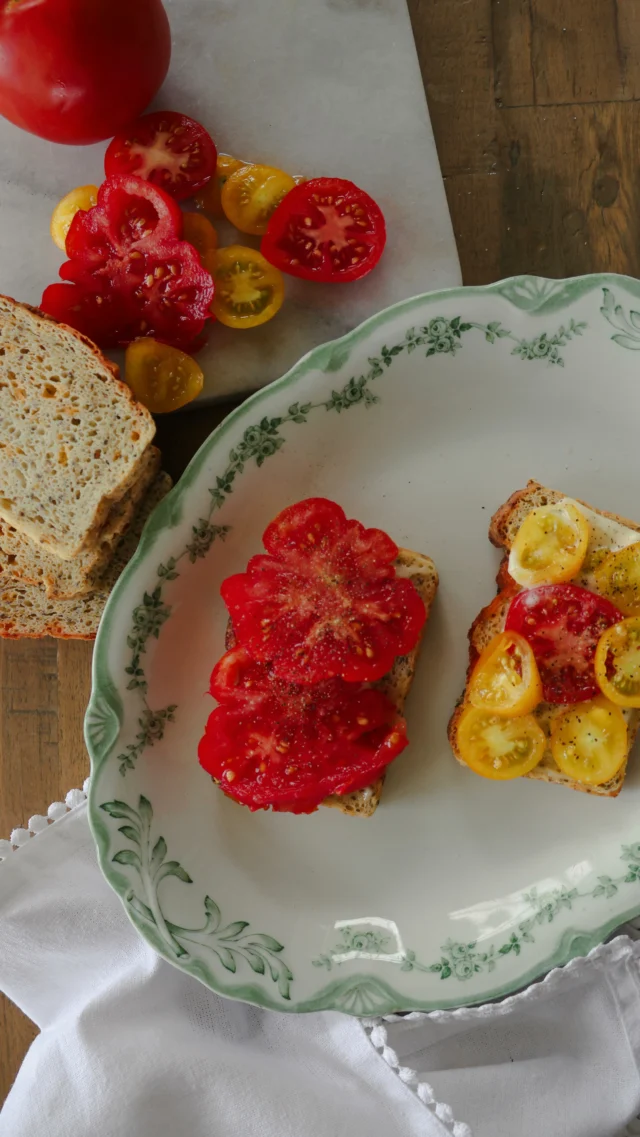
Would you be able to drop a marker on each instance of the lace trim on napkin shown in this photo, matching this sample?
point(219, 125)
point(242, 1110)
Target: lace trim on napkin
point(38, 823)
point(377, 1034)
point(624, 945)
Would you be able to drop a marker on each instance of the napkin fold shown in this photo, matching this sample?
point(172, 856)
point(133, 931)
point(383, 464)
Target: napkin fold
point(130, 1045)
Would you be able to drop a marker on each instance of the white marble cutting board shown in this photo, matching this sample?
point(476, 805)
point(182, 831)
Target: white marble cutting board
point(321, 87)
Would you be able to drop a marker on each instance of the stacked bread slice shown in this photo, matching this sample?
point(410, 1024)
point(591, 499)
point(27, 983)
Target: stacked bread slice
point(78, 477)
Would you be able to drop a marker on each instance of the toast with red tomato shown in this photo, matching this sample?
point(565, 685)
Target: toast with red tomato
point(322, 644)
point(553, 685)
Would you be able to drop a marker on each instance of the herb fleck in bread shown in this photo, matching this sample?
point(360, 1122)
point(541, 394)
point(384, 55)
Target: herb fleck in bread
point(21, 559)
point(71, 434)
point(26, 611)
point(490, 622)
point(396, 684)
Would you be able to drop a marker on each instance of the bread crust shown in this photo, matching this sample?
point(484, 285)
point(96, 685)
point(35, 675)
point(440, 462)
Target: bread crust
point(20, 510)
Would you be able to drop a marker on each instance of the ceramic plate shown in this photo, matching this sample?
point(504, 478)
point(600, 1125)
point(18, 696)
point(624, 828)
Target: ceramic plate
point(458, 889)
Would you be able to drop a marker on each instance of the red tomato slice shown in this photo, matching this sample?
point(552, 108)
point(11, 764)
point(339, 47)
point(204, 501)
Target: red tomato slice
point(326, 600)
point(285, 746)
point(325, 229)
point(563, 624)
point(137, 277)
point(99, 318)
point(171, 150)
point(127, 215)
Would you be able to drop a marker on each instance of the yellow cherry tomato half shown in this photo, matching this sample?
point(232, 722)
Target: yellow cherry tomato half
point(505, 680)
point(589, 741)
point(252, 194)
point(208, 198)
point(161, 377)
point(617, 663)
point(496, 747)
point(249, 291)
point(550, 545)
point(83, 197)
point(618, 578)
point(200, 233)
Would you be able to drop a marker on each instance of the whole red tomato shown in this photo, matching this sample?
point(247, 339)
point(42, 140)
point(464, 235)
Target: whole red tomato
point(77, 71)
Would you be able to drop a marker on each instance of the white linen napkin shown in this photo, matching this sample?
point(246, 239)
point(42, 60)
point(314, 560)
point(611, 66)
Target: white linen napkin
point(129, 1045)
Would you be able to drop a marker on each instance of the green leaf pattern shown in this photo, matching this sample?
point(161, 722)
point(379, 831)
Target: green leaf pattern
point(232, 944)
point(462, 961)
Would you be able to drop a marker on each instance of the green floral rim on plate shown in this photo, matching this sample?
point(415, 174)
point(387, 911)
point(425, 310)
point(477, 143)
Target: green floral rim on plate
point(227, 953)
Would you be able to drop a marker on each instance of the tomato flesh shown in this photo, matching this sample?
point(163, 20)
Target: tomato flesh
point(249, 291)
point(563, 624)
point(618, 663)
point(137, 276)
point(590, 742)
point(618, 578)
point(325, 229)
point(550, 545)
point(161, 377)
point(287, 747)
point(251, 195)
point(171, 150)
point(499, 748)
point(325, 601)
point(505, 680)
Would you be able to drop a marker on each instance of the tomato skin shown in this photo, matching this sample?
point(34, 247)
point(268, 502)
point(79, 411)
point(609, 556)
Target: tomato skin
point(200, 233)
point(563, 623)
point(80, 198)
point(287, 747)
point(325, 600)
point(169, 149)
point(344, 240)
point(76, 72)
point(209, 198)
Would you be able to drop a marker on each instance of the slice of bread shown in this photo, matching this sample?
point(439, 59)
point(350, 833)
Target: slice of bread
point(25, 610)
point(71, 434)
point(422, 572)
point(23, 560)
point(503, 528)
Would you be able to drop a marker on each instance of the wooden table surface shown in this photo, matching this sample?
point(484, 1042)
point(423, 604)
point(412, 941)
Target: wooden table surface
point(535, 109)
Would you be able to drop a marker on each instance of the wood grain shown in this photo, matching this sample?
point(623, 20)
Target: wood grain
point(535, 107)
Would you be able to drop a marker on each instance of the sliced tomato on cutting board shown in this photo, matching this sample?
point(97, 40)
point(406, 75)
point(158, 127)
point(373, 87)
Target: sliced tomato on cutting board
point(132, 275)
point(325, 229)
point(169, 149)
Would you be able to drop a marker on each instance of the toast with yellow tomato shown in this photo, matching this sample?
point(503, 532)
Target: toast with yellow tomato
point(553, 685)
